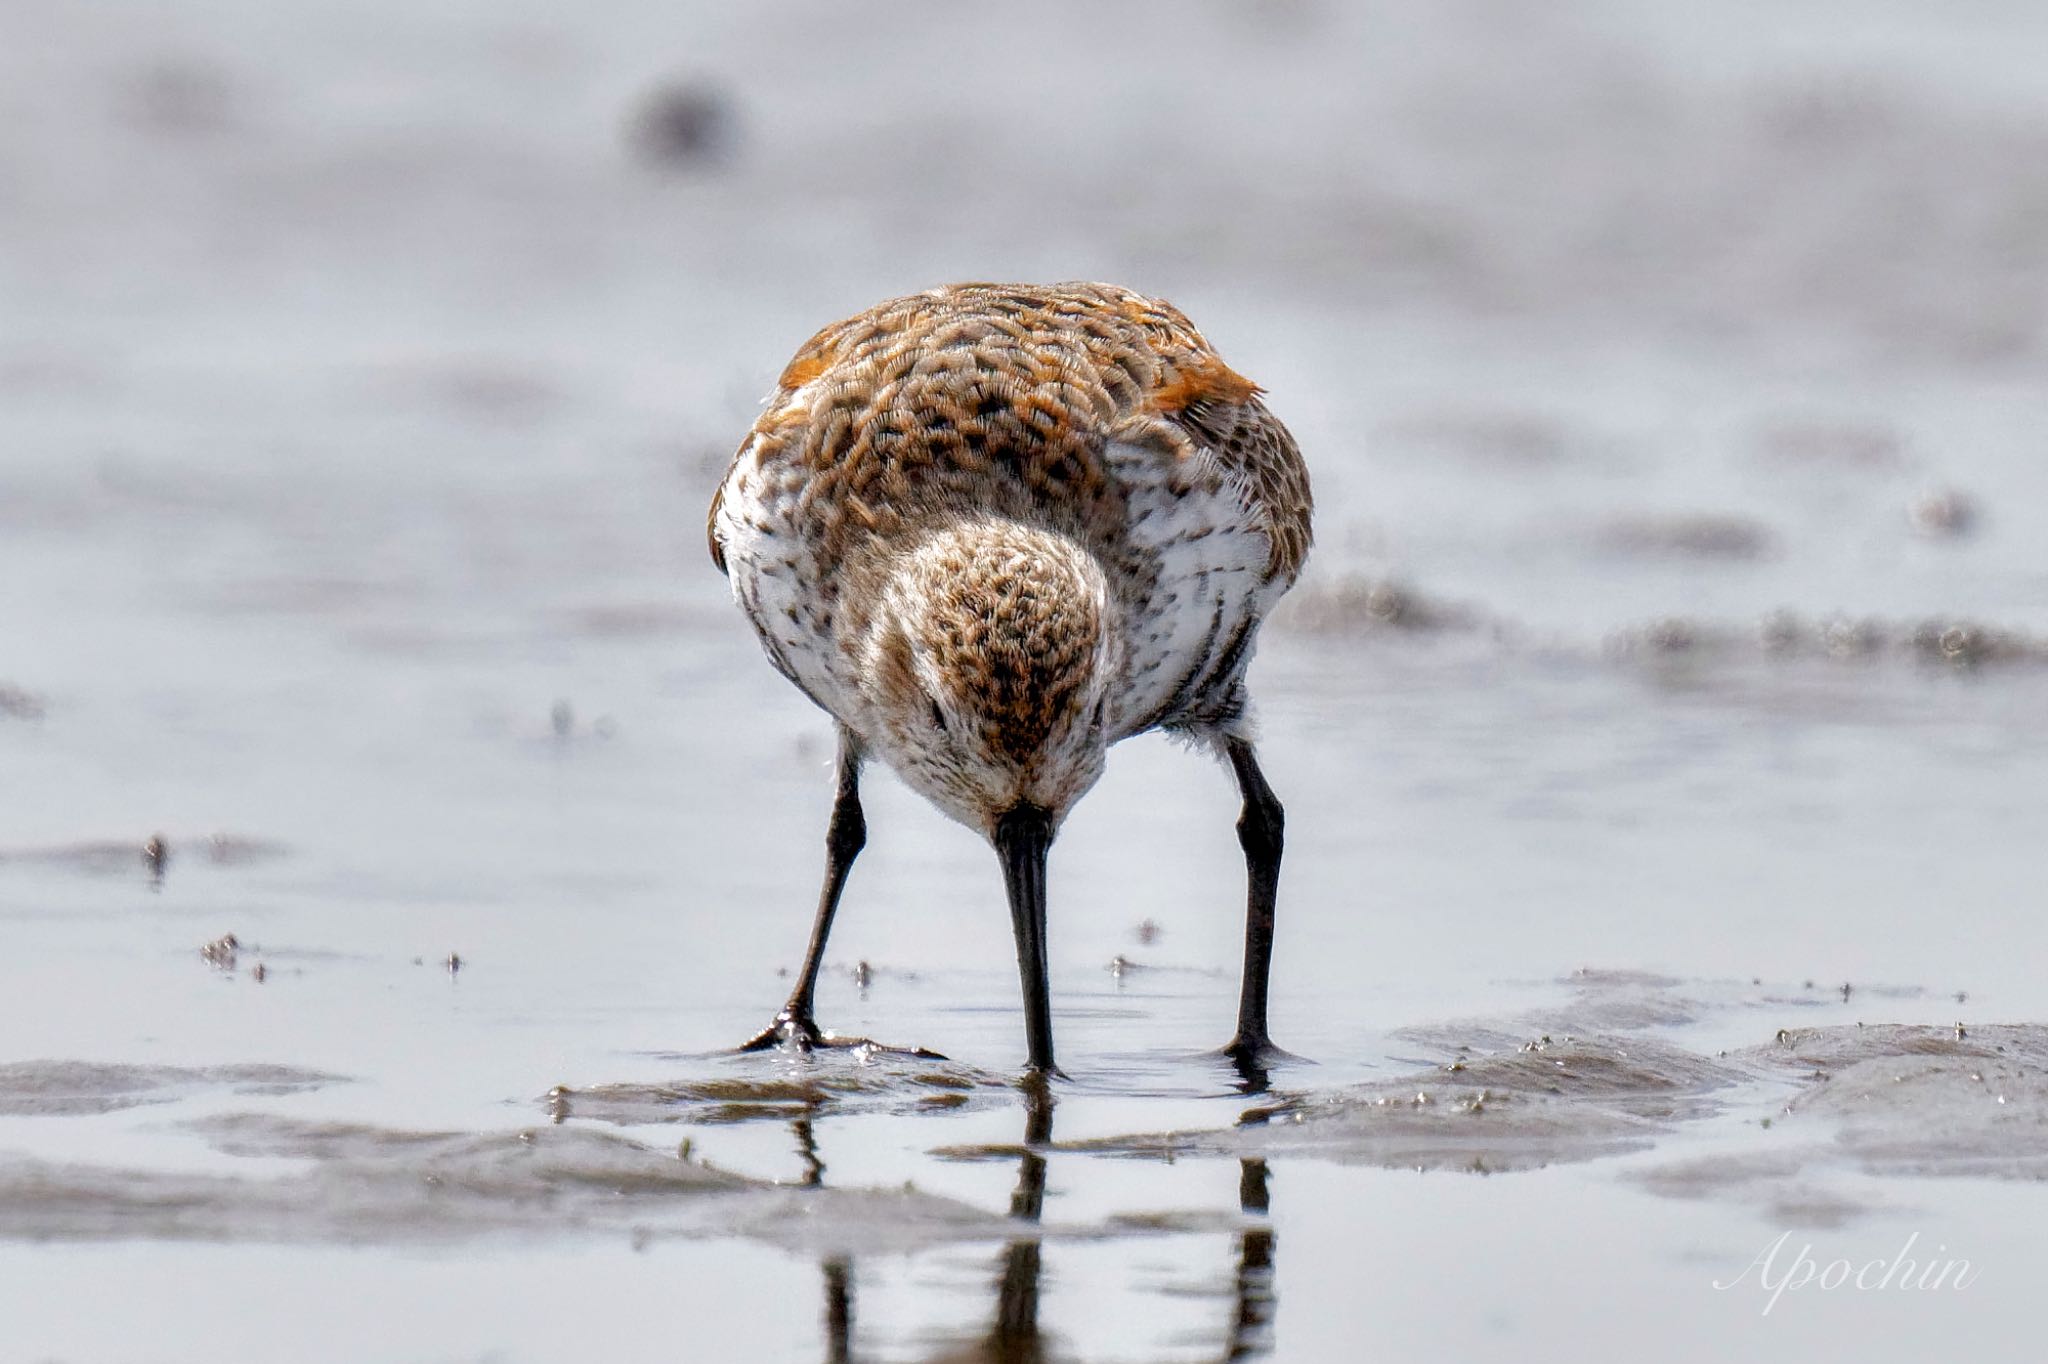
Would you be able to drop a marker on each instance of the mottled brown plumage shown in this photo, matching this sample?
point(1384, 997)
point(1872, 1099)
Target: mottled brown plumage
point(873, 406)
point(993, 529)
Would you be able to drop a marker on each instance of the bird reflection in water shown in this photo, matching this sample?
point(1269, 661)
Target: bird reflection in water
point(1251, 1330)
point(1014, 1336)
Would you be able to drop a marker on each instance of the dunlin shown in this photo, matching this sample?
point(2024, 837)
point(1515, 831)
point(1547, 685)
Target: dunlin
point(993, 529)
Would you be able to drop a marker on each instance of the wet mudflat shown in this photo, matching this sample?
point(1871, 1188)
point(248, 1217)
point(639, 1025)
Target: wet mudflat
point(900, 1208)
point(397, 824)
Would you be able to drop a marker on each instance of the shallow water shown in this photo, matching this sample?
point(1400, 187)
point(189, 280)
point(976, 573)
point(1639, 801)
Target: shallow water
point(1669, 674)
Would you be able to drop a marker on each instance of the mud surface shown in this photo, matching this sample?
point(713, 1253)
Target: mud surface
point(397, 823)
point(1812, 1130)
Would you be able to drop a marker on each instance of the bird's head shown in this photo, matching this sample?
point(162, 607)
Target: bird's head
point(989, 672)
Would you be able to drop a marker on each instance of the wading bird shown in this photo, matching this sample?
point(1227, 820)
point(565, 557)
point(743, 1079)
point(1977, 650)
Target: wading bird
point(993, 529)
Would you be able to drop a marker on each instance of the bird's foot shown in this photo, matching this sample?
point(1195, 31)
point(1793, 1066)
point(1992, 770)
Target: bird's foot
point(797, 1030)
point(794, 1028)
point(1254, 1056)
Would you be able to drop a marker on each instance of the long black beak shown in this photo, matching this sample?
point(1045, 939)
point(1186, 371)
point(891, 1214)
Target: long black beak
point(1022, 836)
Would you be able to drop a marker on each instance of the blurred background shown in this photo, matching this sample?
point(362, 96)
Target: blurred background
point(364, 373)
point(366, 313)
point(1671, 376)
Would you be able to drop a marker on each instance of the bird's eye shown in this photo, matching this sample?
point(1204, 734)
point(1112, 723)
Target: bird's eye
point(938, 717)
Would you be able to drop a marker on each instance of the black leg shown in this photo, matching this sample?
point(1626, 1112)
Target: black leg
point(1260, 830)
point(845, 836)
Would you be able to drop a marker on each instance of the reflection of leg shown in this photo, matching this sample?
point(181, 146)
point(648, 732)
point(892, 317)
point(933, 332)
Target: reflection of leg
point(839, 1269)
point(1251, 1330)
point(807, 1151)
point(1029, 1199)
point(1015, 1339)
point(838, 1311)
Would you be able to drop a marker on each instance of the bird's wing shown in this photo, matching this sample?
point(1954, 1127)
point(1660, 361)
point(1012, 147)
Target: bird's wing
point(1260, 456)
point(1057, 359)
point(1190, 405)
point(812, 359)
